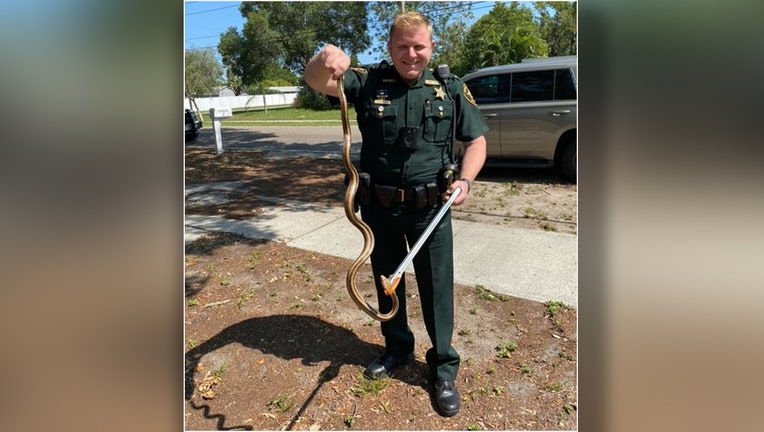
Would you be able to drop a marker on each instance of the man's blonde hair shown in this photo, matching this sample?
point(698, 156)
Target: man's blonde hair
point(408, 20)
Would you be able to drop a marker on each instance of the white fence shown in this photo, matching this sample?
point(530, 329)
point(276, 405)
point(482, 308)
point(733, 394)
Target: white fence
point(242, 102)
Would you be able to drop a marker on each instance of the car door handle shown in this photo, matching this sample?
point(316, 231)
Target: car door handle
point(487, 116)
point(559, 113)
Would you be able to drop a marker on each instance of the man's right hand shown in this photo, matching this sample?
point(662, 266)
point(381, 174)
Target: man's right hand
point(325, 68)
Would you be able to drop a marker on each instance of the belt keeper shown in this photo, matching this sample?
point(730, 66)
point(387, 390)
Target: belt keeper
point(400, 195)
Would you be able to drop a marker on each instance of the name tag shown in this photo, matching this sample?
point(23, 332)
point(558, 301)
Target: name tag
point(381, 102)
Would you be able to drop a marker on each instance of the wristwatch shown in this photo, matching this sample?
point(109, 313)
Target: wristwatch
point(469, 183)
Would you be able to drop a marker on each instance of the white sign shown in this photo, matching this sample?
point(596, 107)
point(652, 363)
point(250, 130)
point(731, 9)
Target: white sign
point(220, 112)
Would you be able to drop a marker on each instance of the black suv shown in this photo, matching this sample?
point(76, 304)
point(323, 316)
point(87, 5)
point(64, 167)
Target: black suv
point(193, 124)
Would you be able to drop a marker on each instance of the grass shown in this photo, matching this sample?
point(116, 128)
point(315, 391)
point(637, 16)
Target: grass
point(555, 306)
point(218, 373)
point(505, 349)
point(280, 404)
point(485, 294)
point(373, 387)
point(280, 117)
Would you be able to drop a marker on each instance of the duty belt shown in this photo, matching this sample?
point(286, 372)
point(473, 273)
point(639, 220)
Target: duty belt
point(421, 196)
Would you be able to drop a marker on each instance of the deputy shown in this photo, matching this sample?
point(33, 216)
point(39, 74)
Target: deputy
point(405, 115)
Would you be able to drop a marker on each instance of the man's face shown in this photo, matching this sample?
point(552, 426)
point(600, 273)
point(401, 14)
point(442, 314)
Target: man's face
point(410, 50)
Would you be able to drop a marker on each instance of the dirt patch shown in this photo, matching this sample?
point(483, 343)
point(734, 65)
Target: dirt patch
point(274, 342)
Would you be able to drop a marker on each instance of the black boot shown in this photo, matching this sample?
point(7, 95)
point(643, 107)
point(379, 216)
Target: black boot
point(447, 398)
point(384, 365)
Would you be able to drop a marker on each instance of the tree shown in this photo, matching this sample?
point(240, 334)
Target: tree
point(203, 72)
point(448, 19)
point(297, 29)
point(249, 54)
point(557, 22)
point(504, 35)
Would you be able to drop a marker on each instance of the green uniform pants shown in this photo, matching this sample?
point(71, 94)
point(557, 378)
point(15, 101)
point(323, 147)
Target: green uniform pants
point(434, 270)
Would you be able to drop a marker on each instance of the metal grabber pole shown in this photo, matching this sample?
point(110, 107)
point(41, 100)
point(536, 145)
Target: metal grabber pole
point(391, 282)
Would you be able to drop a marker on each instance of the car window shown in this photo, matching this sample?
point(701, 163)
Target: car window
point(489, 89)
point(564, 87)
point(533, 86)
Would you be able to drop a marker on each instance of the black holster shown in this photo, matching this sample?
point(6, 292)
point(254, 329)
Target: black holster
point(363, 193)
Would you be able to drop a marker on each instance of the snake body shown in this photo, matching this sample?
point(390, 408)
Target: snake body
point(368, 236)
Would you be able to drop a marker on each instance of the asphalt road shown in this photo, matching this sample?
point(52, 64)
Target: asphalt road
point(283, 141)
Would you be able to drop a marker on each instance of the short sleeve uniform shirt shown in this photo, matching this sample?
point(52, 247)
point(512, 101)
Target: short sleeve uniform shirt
point(384, 104)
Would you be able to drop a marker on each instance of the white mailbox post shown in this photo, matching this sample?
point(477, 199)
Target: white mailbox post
point(216, 114)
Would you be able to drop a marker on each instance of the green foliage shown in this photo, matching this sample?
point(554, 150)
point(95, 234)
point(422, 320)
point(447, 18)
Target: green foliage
point(555, 306)
point(505, 349)
point(370, 387)
point(281, 404)
point(507, 34)
point(307, 98)
point(249, 54)
point(296, 29)
point(557, 24)
point(448, 19)
point(202, 72)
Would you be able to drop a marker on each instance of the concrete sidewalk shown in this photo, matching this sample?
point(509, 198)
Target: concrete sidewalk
point(530, 264)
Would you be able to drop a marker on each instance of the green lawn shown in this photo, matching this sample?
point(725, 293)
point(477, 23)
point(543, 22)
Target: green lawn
point(282, 117)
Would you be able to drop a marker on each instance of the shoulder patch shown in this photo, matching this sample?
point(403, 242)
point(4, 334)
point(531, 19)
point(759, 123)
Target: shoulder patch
point(360, 70)
point(468, 95)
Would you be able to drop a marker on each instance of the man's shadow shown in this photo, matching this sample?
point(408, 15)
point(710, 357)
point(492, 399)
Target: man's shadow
point(292, 337)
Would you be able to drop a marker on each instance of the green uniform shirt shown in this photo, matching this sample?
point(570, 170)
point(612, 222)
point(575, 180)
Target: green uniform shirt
point(384, 104)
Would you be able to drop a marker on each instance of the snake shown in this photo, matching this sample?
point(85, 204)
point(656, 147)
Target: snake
point(368, 236)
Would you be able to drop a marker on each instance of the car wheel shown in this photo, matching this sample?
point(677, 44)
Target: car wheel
point(569, 160)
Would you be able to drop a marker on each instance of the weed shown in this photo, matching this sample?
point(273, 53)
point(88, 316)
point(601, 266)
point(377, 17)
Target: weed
point(280, 404)
point(349, 420)
point(505, 349)
point(526, 370)
point(568, 408)
point(473, 427)
point(225, 281)
point(546, 226)
point(193, 302)
point(556, 387)
point(498, 390)
point(483, 293)
point(316, 297)
point(566, 356)
point(473, 311)
point(367, 386)
point(555, 306)
point(532, 213)
point(218, 373)
point(385, 406)
point(253, 258)
point(464, 331)
point(369, 323)
point(191, 343)
point(491, 370)
point(244, 297)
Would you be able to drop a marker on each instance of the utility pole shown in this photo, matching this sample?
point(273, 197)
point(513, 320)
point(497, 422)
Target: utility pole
point(403, 6)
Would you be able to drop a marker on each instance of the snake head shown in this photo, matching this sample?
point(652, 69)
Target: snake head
point(389, 285)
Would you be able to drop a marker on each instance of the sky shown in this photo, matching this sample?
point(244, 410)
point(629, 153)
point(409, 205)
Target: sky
point(206, 20)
